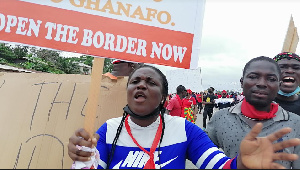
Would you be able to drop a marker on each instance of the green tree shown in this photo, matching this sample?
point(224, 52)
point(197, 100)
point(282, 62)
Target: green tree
point(51, 61)
point(46, 60)
point(108, 66)
point(46, 55)
point(88, 60)
point(39, 64)
point(20, 52)
point(68, 65)
point(6, 53)
point(12, 55)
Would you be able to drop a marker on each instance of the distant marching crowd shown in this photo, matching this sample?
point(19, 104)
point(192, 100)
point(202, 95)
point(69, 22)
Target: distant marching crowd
point(236, 97)
point(188, 104)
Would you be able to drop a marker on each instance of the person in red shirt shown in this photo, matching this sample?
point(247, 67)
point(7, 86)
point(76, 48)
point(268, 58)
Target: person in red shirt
point(199, 100)
point(174, 107)
point(225, 94)
point(219, 95)
point(122, 68)
point(189, 107)
point(166, 103)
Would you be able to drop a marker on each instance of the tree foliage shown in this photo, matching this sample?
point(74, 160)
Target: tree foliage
point(46, 60)
point(20, 51)
point(108, 66)
point(6, 52)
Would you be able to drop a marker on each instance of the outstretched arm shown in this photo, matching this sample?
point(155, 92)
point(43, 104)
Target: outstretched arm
point(261, 152)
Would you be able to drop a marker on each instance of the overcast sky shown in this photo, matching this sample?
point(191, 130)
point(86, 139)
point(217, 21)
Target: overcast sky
point(235, 31)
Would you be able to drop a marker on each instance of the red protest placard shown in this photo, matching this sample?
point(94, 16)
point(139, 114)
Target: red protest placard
point(68, 30)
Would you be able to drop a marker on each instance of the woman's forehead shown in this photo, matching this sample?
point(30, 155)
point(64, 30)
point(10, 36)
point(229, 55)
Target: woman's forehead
point(146, 72)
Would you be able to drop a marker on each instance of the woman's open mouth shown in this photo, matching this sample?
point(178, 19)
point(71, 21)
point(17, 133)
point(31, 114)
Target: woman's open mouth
point(140, 97)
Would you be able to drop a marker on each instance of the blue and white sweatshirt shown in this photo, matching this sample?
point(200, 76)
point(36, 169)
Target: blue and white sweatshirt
point(182, 140)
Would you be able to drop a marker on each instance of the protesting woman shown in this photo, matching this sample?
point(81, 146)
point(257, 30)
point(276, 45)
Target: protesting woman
point(189, 105)
point(145, 138)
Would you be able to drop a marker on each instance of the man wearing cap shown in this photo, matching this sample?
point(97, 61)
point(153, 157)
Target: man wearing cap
point(174, 107)
point(288, 98)
point(122, 68)
point(224, 101)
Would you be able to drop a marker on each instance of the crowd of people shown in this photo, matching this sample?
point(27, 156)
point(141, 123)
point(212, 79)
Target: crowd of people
point(255, 129)
point(188, 104)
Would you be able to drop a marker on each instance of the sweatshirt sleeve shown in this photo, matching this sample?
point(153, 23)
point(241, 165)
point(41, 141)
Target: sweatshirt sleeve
point(231, 164)
point(102, 147)
point(203, 152)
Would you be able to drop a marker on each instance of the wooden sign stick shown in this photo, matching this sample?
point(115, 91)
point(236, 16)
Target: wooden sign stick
point(291, 38)
point(93, 97)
